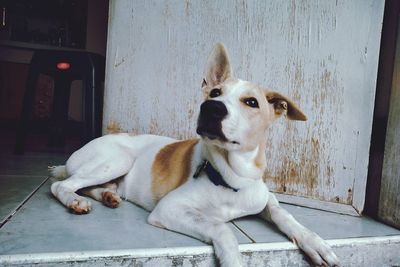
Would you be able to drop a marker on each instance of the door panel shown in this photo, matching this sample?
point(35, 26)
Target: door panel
point(322, 54)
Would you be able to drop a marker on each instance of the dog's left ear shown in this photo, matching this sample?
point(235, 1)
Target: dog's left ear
point(218, 68)
point(284, 105)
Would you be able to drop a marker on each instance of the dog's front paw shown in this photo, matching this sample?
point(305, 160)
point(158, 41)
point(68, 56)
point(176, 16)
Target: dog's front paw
point(316, 248)
point(80, 205)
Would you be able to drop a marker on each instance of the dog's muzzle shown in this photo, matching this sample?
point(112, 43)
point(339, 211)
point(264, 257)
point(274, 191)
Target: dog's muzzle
point(209, 125)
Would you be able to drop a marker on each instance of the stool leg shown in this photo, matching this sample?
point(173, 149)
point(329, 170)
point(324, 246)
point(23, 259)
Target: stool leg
point(98, 116)
point(27, 107)
point(93, 109)
point(59, 116)
point(88, 110)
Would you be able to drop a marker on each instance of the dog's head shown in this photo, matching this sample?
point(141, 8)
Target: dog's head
point(236, 114)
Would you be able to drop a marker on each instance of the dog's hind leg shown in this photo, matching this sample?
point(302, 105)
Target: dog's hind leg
point(106, 193)
point(91, 173)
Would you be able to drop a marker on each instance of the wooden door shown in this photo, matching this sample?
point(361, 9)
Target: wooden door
point(323, 54)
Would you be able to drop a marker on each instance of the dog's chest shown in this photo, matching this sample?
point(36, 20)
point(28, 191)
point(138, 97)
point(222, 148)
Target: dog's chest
point(225, 204)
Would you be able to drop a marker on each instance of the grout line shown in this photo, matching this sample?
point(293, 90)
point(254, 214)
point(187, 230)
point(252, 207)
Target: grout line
point(12, 213)
point(243, 232)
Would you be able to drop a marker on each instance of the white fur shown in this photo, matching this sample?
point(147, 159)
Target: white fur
point(58, 172)
point(198, 207)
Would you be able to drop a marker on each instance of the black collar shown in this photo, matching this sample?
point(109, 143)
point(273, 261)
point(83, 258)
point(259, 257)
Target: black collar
point(212, 174)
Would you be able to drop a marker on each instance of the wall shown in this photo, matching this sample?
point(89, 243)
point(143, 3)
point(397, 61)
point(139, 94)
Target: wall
point(323, 54)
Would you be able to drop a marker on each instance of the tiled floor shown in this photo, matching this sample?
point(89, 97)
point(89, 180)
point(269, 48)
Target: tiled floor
point(34, 222)
point(43, 225)
point(21, 175)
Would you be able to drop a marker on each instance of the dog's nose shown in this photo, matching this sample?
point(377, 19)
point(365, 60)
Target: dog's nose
point(213, 109)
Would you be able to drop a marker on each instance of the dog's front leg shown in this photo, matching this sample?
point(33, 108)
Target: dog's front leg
point(192, 222)
point(314, 246)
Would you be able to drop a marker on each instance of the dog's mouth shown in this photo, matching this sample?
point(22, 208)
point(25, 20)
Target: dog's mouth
point(215, 136)
point(212, 134)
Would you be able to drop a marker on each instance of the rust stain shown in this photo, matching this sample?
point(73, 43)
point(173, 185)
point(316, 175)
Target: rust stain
point(187, 8)
point(304, 165)
point(349, 199)
point(293, 174)
point(113, 127)
point(303, 175)
point(153, 127)
point(329, 171)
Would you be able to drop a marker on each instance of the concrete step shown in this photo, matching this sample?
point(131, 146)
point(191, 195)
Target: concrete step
point(369, 251)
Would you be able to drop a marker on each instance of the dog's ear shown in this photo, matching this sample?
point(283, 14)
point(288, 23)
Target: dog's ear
point(218, 68)
point(284, 105)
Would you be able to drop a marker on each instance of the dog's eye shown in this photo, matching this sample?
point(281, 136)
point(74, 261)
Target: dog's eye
point(215, 92)
point(251, 102)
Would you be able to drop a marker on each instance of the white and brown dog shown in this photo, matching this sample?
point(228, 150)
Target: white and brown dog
point(196, 186)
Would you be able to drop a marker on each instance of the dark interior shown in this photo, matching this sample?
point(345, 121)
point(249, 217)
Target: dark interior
point(76, 26)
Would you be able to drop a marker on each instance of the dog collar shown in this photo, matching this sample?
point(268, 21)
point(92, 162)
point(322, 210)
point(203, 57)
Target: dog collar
point(212, 174)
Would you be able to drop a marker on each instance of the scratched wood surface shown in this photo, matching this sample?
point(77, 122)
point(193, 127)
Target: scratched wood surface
point(389, 203)
point(323, 54)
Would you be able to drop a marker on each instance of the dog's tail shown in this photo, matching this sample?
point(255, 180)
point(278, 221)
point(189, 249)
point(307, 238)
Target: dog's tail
point(58, 172)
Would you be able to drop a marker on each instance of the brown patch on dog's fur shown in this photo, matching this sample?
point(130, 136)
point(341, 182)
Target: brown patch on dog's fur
point(171, 167)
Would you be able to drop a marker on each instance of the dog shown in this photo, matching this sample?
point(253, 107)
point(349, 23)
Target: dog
point(195, 186)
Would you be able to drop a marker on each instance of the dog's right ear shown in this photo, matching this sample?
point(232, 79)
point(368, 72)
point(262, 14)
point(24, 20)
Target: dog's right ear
point(218, 68)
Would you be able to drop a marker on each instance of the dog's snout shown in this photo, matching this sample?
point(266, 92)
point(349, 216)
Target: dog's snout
point(212, 113)
point(213, 109)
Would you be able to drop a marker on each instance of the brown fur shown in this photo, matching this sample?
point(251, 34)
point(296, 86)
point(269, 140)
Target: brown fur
point(283, 104)
point(171, 167)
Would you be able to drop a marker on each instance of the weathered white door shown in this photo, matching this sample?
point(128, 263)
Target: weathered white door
point(323, 54)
